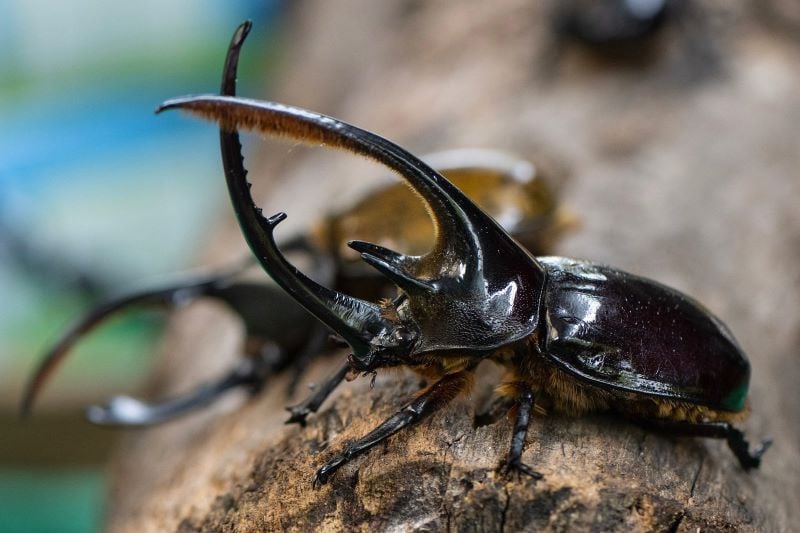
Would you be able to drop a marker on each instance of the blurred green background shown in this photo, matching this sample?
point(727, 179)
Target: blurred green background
point(97, 196)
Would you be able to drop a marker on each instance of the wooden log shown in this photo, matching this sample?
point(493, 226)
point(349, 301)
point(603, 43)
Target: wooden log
point(684, 169)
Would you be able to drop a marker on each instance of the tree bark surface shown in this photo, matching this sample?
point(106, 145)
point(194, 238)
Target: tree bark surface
point(683, 168)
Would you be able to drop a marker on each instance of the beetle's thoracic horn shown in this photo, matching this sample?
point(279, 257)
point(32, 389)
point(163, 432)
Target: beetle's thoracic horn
point(455, 215)
point(473, 256)
point(447, 203)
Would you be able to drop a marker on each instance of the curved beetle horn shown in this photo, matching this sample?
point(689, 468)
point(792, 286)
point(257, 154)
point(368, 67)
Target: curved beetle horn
point(453, 213)
point(484, 273)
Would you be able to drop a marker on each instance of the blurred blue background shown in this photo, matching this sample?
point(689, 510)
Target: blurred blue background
point(97, 195)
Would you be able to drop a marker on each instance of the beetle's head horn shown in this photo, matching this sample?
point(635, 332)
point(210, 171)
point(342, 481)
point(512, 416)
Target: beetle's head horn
point(476, 290)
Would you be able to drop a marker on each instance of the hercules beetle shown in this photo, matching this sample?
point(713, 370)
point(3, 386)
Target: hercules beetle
point(288, 337)
point(574, 336)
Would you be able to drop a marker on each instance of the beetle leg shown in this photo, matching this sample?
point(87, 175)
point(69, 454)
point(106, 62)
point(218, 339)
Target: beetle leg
point(497, 409)
point(430, 400)
point(317, 341)
point(300, 411)
point(717, 430)
point(251, 373)
point(514, 460)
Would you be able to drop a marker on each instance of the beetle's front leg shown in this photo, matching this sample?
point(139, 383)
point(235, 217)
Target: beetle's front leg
point(311, 404)
point(433, 398)
point(514, 460)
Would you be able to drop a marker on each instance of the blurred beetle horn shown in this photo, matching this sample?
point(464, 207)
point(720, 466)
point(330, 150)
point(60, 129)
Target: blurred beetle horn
point(467, 240)
point(166, 297)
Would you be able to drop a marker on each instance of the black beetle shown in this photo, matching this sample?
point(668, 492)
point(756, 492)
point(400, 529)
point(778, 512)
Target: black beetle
point(574, 336)
point(279, 334)
point(607, 24)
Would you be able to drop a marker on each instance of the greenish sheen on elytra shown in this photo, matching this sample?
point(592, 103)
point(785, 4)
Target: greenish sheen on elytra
point(737, 398)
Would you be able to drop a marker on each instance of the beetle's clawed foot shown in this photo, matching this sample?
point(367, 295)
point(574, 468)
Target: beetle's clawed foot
point(327, 470)
point(319, 479)
point(126, 411)
point(753, 460)
point(519, 468)
point(763, 447)
point(741, 449)
point(298, 414)
point(122, 411)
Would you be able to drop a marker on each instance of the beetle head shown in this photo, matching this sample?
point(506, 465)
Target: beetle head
point(476, 290)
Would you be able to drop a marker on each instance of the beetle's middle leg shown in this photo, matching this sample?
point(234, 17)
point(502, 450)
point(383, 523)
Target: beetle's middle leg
point(430, 400)
point(310, 405)
point(514, 462)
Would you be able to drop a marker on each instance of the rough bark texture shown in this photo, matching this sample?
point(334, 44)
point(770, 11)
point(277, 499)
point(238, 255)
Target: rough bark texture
point(684, 169)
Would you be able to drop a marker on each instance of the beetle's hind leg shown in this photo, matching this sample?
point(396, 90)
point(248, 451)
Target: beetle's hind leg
point(430, 400)
point(513, 462)
point(716, 430)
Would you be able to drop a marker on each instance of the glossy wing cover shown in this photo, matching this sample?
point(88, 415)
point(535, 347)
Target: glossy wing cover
point(620, 331)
